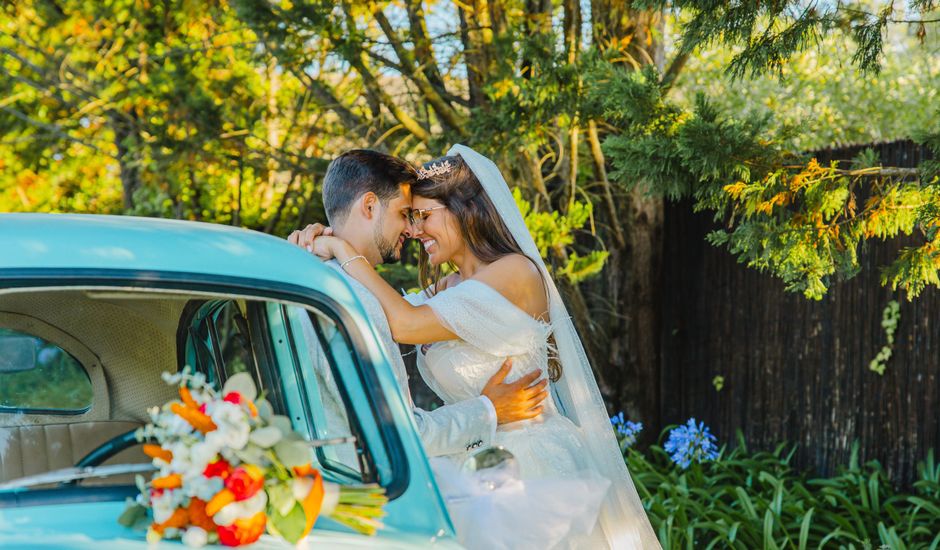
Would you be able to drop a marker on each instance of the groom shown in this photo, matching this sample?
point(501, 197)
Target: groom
point(367, 202)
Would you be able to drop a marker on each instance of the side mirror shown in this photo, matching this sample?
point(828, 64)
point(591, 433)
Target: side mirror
point(17, 353)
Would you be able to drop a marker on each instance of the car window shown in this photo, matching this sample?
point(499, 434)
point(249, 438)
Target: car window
point(218, 340)
point(36, 376)
point(233, 337)
point(319, 349)
point(299, 353)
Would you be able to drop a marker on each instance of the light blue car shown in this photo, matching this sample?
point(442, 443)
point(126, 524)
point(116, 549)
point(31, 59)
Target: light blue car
point(94, 308)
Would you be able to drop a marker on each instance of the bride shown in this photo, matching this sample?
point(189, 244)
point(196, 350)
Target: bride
point(501, 302)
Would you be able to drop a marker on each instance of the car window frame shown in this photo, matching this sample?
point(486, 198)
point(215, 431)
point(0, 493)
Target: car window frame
point(265, 369)
point(212, 285)
point(367, 463)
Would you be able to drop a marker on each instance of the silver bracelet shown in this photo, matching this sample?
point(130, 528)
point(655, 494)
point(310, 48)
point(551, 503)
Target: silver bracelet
point(354, 258)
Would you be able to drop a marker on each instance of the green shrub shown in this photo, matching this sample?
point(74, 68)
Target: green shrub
point(751, 500)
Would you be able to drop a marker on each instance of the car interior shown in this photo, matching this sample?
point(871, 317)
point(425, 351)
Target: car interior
point(80, 368)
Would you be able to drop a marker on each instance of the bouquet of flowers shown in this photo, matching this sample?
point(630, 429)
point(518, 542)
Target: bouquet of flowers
point(229, 469)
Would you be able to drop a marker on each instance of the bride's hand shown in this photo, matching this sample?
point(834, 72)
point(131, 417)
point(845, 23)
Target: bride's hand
point(304, 237)
point(325, 246)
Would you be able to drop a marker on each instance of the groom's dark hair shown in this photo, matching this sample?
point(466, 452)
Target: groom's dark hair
point(357, 172)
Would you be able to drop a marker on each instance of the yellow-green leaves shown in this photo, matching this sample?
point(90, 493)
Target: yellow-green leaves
point(555, 232)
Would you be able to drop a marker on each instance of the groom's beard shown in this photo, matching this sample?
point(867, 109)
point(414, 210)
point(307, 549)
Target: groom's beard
point(388, 250)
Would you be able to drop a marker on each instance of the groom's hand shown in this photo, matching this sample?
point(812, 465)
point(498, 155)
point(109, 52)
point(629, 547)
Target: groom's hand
point(515, 401)
point(304, 237)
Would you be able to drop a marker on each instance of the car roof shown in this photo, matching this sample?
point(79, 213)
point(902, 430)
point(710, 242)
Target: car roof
point(98, 242)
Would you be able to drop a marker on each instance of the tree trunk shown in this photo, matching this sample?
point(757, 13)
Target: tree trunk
point(126, 141)
point(634, 275)
point(632, 287)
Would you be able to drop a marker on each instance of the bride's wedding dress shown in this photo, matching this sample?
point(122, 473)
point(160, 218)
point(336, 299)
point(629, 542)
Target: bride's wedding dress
point(568, 456)
point(557, 480)
point(491, 328)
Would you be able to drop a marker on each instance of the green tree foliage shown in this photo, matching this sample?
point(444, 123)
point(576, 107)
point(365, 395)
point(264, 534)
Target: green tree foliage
point(227, 112)
point(785, 214)
point(768, 35)
point(823, 98)
point(165, 110)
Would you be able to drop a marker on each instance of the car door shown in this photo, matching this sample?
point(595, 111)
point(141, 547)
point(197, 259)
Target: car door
point(302, 364)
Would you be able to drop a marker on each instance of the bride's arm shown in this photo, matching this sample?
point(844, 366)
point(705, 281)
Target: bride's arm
point(410, 324)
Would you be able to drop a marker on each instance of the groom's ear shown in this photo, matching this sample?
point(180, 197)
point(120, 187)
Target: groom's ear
point(368, 204)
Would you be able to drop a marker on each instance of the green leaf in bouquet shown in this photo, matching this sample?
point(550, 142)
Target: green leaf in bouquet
point(243, 384)
point(292, 453)
point(265, 437)
point(141, 483)
point(135, 517)
point(281, 498)
point(289, 526)
point(265, 410)
point(251, 454)
point(282, 423)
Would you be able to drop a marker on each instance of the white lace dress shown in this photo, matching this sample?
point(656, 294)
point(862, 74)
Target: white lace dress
point(556, 505)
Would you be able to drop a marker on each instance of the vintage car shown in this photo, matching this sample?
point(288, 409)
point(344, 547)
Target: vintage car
point(94, 308)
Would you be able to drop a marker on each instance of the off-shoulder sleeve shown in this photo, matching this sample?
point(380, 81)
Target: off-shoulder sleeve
point(416, 298)
point(485, 319)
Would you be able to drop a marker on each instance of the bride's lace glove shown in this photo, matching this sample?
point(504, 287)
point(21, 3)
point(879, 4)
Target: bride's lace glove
point(515, 401)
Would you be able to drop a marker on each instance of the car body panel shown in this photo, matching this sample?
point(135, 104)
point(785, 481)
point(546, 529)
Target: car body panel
point(81, 527)
point(128, 252)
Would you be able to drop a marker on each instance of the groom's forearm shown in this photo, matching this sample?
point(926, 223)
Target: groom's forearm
point(457, 428)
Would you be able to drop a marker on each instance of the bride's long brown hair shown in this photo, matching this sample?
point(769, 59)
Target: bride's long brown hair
point(481, 227)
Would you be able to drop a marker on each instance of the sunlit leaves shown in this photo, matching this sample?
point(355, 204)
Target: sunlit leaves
point(802, 222)
point(554, 232)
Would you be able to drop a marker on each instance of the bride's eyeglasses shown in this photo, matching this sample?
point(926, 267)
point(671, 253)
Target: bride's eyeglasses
point(417, 215)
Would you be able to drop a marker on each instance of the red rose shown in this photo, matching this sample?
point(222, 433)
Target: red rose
point(242, 531)
point(238, 399)
point(245, 481)
point(234, 397)
point(219, 468)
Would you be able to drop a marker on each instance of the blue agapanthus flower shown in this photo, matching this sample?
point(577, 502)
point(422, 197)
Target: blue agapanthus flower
point(627, 430)
point(691, 443)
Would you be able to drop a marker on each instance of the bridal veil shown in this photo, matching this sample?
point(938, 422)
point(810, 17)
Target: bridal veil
point(622, 517)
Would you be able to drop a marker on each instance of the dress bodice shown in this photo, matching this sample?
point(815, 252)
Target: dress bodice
point(490, 329)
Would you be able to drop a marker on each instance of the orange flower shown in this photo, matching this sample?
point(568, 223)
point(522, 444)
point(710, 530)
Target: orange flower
point(220, 499)
point(196, 419)
point(172, 481)
point(245, 481)
point(198, 516)
point(187, 398)
point(178, 520)
point(156, 451)
point(242, 531)
point(312, 503)
point(305, 470)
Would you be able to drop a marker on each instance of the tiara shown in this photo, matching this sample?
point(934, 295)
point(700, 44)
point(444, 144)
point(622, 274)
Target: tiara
point(436, 169)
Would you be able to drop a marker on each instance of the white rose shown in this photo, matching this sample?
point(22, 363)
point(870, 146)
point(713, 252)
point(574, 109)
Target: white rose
point(204, 488)
point(195, 537)
point(200, 455)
